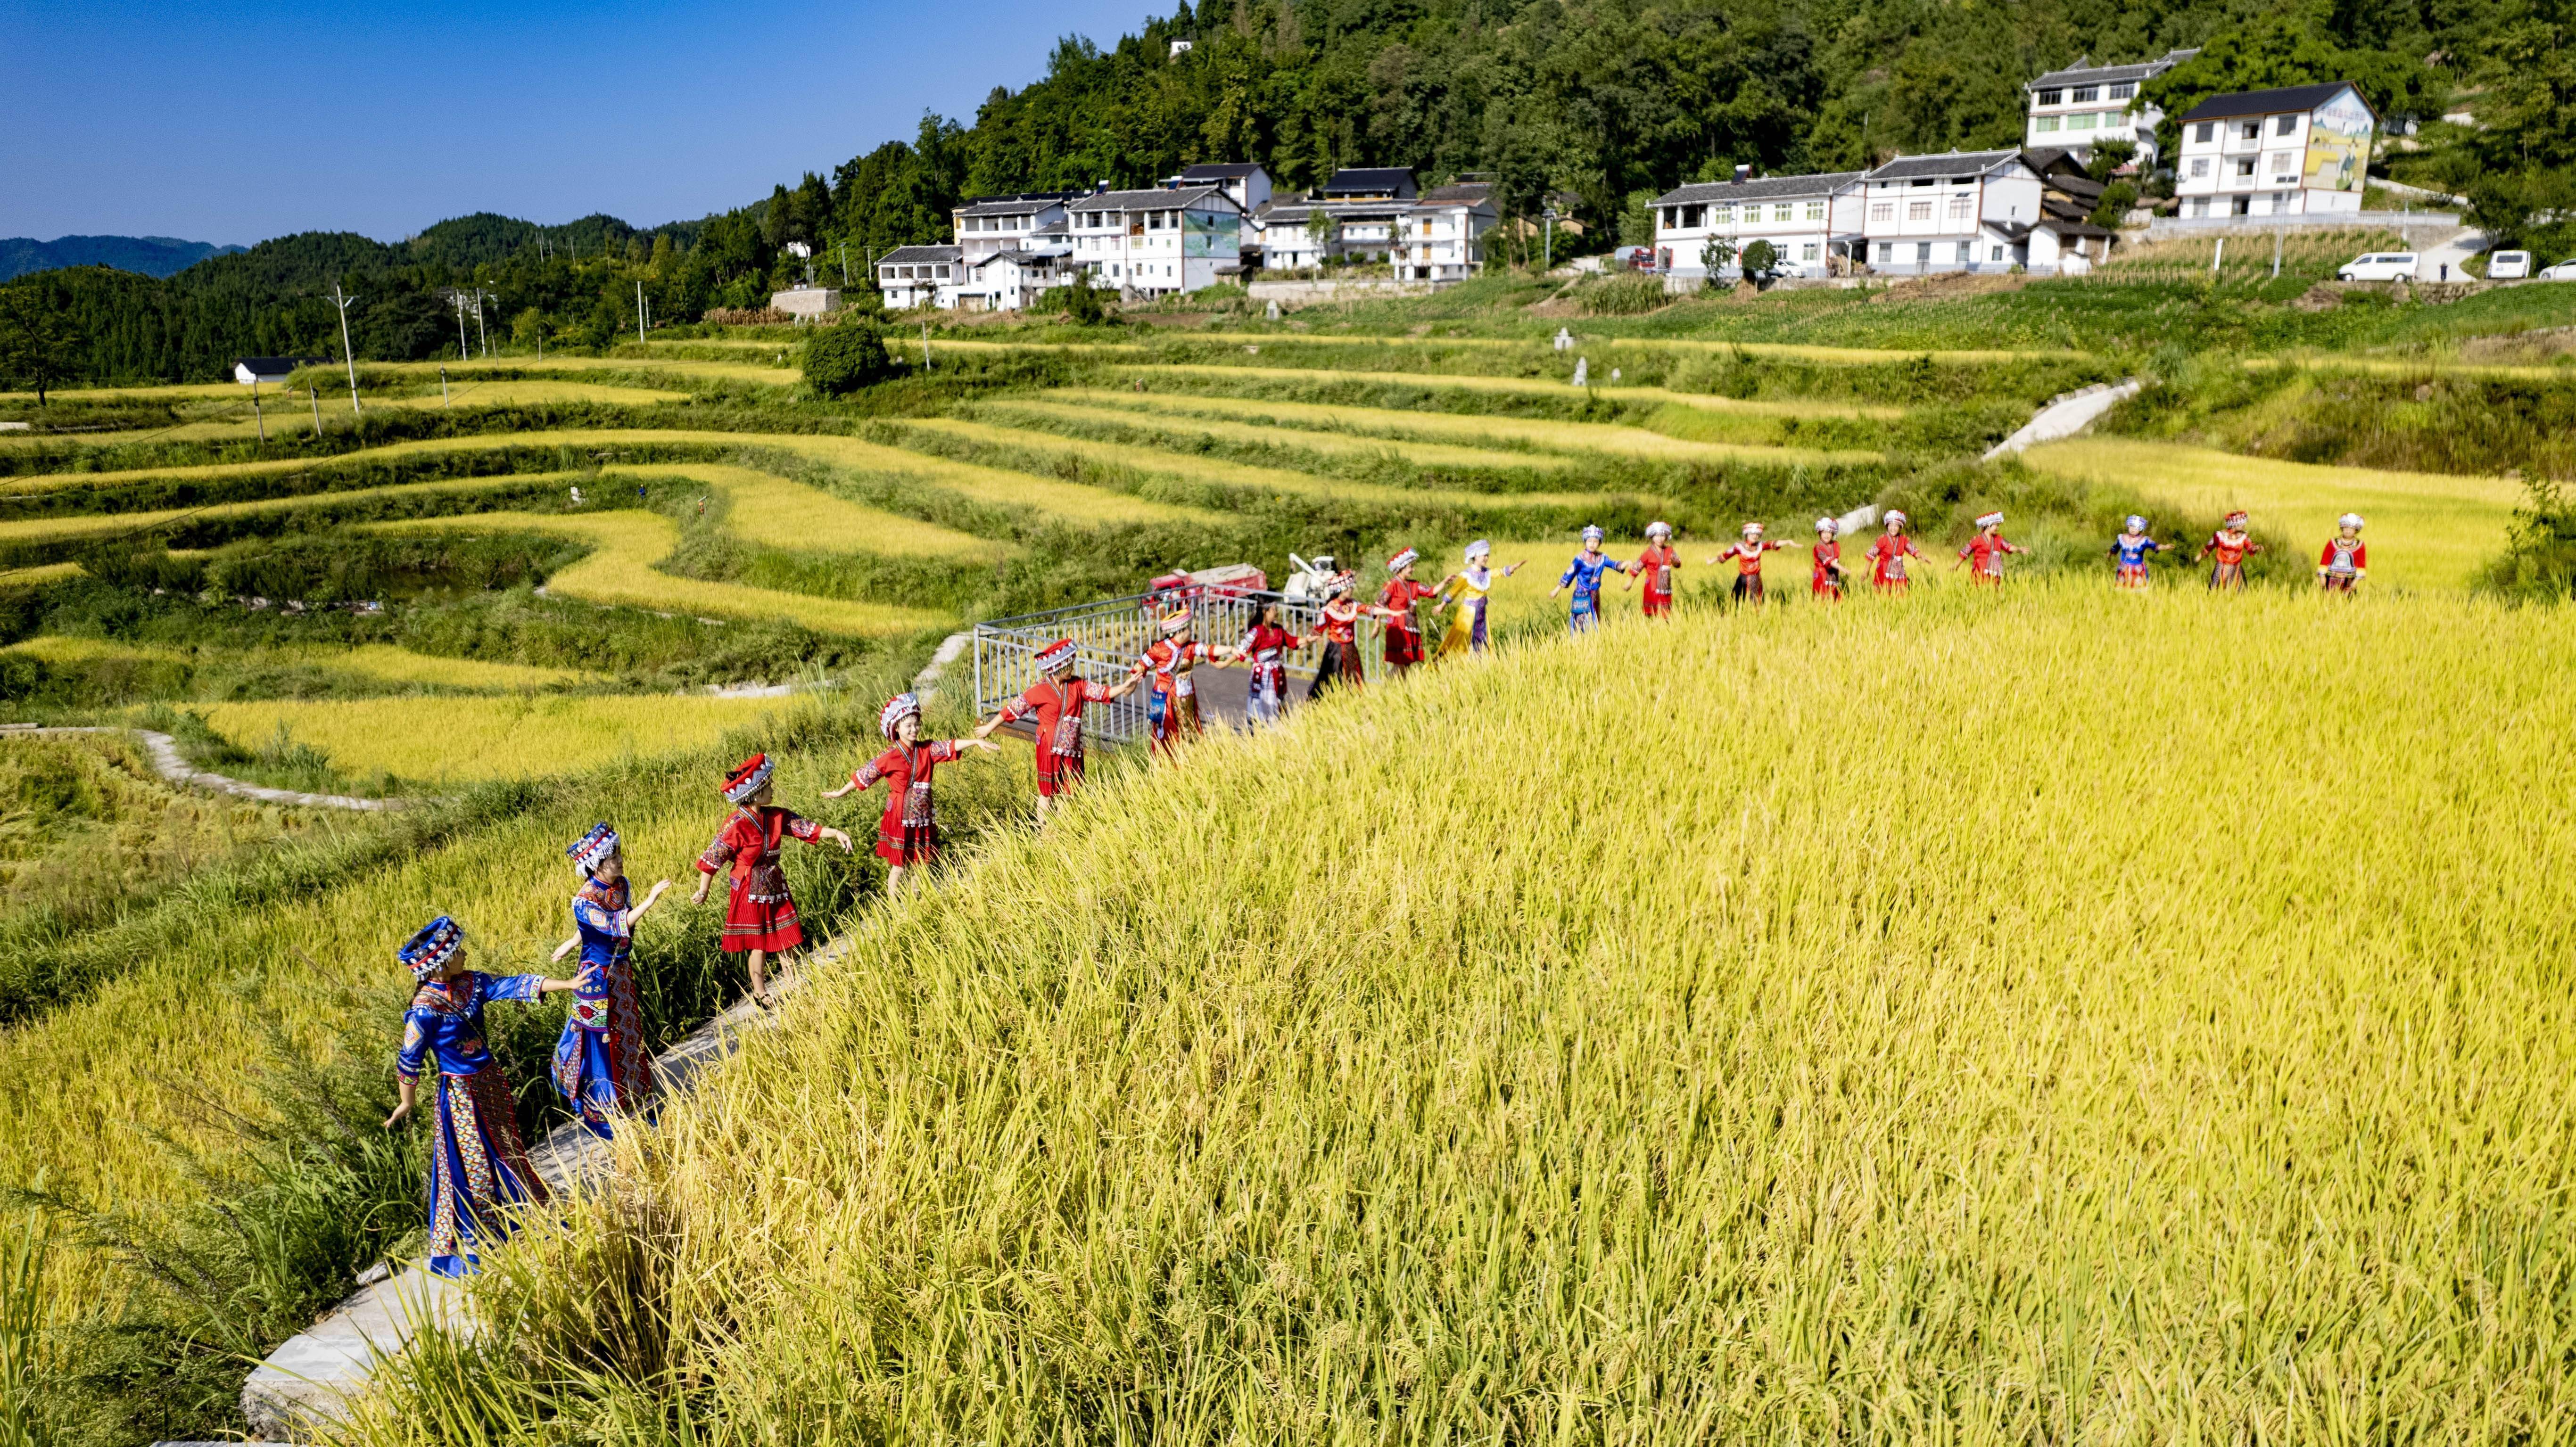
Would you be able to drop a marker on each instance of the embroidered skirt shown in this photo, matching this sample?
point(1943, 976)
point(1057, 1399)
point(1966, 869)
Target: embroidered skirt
point(761, 915)
point(478, 1170)
point(1658, 602)
point(605, 1073)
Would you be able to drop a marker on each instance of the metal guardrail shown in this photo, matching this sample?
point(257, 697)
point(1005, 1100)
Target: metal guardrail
point(1113, 633)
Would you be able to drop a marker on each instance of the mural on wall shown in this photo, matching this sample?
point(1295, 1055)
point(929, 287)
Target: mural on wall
point(2339, 144)
point(1205, 235)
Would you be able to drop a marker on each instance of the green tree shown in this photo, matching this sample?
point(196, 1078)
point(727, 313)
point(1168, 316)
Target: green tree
point(2518, 165)
point(1319, 230)
point(1717, 254)
point(2286, 51)
point(1082, 304)
point(842, 358)
point(40, 346)
point(1761, 260)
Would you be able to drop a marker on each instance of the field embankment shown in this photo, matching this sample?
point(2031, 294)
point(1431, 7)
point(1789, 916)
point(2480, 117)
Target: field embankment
point(2058, 1016)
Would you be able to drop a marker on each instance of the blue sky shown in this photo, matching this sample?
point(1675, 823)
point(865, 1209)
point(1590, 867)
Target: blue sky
point(227, 122)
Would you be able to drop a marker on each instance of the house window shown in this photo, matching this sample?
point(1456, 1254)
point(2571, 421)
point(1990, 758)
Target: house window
point(1882, 210)
point(1807, 252)
point(2285, 169)
point(2052, 97)
point(1721, 216)
point(1887, 253)
point(2200, 167)
point(1963, 253)
point(2286, 126)
point(1693, 215)
point(2124, 90)
point(2205, 132)
point(2199, 205)
point(1815, 210)
point(1958, 208)
point(1672, 217)
point(2250, 131)
point(2244, 206)
point(2083, 122)
point(2087, 94)
point(2245, 168)
point(1918, 210)
point(2044, 125)
point(1923, 253)
point(1784, 212)
point(1994, 253)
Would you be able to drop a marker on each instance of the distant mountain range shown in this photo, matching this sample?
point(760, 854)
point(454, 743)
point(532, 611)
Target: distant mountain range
point(149, 255)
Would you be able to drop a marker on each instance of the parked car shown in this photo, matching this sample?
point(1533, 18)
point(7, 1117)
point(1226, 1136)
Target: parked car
point(2379, 266)
point(2563, 271)
point(2508, 265)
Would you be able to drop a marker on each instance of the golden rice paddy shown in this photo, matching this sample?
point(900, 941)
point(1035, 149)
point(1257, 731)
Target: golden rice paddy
point(378, 662)
point(454, 741)
point(2427, 530)
point(2055, 1016)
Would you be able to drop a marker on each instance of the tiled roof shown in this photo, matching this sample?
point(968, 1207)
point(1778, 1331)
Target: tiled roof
point(1156, 199)
point(1370, 178)
point(1949, 163)
point(2270, 102)
point(917, 255)
point(2082, 74)
point(1760, 188)
point(1010, 206)
point(1218, 171)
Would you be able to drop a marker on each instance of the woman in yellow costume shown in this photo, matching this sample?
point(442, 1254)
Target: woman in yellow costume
point(1468, 588)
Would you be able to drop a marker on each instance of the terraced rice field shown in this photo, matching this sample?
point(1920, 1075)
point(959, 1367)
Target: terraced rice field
point(1410, 428)
point(2426, 530)
point(74, 528)
point(770, 510)
point(1126, 421)
point(377, 662)
point(1197, 469)
point(1519, 387)
point(455, 741)
point(619, 572)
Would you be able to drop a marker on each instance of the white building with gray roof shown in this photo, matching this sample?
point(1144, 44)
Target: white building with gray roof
point(2079, 107)
point(1812, 223)
point(1157, 242)
point(1957, 211)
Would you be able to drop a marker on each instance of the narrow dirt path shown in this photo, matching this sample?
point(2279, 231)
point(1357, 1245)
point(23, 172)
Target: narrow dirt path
point(166, 762)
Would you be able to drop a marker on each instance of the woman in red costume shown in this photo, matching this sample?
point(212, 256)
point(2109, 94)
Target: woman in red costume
point(908, 832)
point(760, 915)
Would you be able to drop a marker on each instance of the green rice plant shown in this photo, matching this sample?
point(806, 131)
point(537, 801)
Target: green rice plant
point(475, 739)
point(2078, 1017)
point(1217, 474)
point(378, 662)
point(777, 512)
point(1327, 447)
point(1307, 418)
point(620, 572)
point(1417, 384)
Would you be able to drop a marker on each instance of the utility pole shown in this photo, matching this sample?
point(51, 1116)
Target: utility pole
point(925, 349)
point(2276, 252)
point(480, 335)
point(442, 384)
point(316, 394)
point(342, 300)
point(2217, 251)
point(464, 352)
point(639, 311)
point(845, 264)
point(255, 412)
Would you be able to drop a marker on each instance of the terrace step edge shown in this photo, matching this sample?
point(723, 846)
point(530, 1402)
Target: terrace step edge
point(167, 762)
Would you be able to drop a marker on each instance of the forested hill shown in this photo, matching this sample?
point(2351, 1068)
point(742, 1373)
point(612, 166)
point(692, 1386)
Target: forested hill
point(149, 255)
point(1610, 100)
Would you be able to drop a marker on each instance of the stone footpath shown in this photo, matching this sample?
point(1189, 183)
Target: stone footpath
point(169, 765)
point(2067, 414)
point(305, 1382)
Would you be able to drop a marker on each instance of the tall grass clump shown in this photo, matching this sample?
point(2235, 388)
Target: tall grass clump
point(2048, 1017)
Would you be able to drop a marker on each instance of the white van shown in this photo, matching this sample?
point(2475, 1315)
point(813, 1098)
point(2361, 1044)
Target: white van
point(2379, 266)
point(2508, 266)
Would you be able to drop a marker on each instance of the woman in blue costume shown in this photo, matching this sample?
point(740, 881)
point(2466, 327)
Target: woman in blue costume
point(478, 1167)
point(601, 1067)
point(1583, 575)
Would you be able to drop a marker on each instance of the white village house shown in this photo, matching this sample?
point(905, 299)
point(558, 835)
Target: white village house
point(2078, 107)
point(1958, 211)
point(1812, 223)
point(1010, 249)
point(2301, 150)
point(912, 276)
point(1378, 214)
point(1157, 242)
